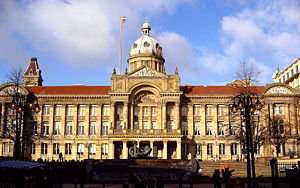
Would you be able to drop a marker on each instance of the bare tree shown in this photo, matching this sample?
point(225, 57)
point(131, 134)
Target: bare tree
point(249, 74)
point(19, 117)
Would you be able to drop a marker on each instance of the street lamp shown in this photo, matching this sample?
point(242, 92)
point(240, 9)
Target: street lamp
point(243, 103)
point(22, 105)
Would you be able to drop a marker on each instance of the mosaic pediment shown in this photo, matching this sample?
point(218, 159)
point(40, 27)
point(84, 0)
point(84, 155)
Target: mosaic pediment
point(146, 72)
point(279, 90)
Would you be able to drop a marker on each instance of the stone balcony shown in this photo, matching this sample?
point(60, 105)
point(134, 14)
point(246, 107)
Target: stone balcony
point(145, 132)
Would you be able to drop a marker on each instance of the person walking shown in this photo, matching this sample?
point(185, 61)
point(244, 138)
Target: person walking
point(217, 178)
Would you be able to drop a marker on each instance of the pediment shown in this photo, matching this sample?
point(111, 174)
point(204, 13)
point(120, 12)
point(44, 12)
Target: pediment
point(12, 88)
point(279, 89)
point(146, 72)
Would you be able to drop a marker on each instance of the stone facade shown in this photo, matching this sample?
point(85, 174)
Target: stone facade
point(148, 106)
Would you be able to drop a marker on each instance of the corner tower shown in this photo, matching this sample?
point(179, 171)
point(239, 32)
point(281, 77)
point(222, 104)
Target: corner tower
point(32, 75)
point(146, 51)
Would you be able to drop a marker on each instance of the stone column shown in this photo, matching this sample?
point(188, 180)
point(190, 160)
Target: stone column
point(99, 131)
point(111, 150)
point(165, 150)
point(125, 115)
point(151, 146)
point(112, 115)
point(74, 150)
point(131, 116)
point(164, 115)
point(178, 149)
point(125, 150)
point(51, 120)
point(190, 119)
point(177, 115)
point(63, 119)
point(75, 119)
point(87, 118)
point(2, 115)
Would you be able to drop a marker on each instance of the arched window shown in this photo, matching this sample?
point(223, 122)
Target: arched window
point(155, 65)
point(134, 45)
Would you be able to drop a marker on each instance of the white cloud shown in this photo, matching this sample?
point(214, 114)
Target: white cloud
point(177, 52)
point(77, 32)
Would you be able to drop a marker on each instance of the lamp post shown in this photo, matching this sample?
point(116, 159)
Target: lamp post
point(21, 106)
point(243, 103)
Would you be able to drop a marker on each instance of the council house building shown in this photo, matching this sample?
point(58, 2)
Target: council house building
point(147, 106)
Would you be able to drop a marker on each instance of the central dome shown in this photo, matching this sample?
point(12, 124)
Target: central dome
point(146, 51)
point(146, 44)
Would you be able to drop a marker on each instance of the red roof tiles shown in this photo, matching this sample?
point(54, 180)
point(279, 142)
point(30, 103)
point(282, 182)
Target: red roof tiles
point(96, 90)
point(69, 90)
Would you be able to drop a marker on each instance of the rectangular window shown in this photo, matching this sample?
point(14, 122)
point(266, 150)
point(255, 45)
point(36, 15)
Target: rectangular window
point(145, 111)
point(287, 75)
point(119, 125)
point(185, 149)
point(153, 111)
point(46, 110)
point(136, 124)
point(81, 128)
point(283, 78)
point(11, 148)
point(44, 148)
point(222, 149)
point(105, 110)
point(278, 109)
point(197, 128)
point(280, 80)
point(69, 110)
point(197, 110)
point(185, 128)
point(93, 128)
point(292, 72)
point(69, 128)
point(297, 69)
point(5, 147)
point(281, 127)
point(170, 125)
point(57, 125)
point(154, 125)
point(45, 128)
point(209, 128)
point(81, 111)
point(184, 111)
point(119, 110)
point(234, 149)
point(68, 149)
point(104, 128)
point(209, 149)
point(93, 110)
point(55, 148)
point(92, 149)
point(221, 128)
point(209, 110)
point(221, 110)
point(170, 110)
point(57, 110)
point(281, 109)
point(233, 128)
point(136, 111)
point(34, 128)
point(198, 149)
point(33, 149)
point(145, 125)
point(104, 149)
point(80, 149)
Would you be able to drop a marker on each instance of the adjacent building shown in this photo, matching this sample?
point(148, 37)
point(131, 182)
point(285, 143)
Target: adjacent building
point(148, 106)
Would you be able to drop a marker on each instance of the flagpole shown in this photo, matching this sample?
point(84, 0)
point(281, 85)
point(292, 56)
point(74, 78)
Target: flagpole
point(120, 46)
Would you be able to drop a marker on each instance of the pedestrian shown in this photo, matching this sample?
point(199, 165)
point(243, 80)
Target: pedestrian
point(222, 168)
point(60, 157)
point(151, 181)
point(195, 164)
point(217, 178)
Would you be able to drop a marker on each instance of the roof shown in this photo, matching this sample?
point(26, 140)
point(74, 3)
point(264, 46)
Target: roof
point(102, 90)
point(69, 90)
point(217, 90)
point(20, 164)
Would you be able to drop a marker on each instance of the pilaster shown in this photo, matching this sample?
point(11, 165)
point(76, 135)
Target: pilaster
point(131, 116)
point(99, 130)
point(111, 150)
point(125, 150)
point(75, 119)
point(112, 115)
point(164, 115)
point(177, 115)
point(178, 149)
point(165, 150)
point(63, 120)
point(151, 146)
point(125, 115)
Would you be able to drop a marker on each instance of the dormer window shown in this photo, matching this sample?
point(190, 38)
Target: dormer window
point(146, 44)
point(157, 45)
point(134, 45)
point(31, 72)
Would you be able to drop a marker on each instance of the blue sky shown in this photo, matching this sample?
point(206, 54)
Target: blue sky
point(77, 42)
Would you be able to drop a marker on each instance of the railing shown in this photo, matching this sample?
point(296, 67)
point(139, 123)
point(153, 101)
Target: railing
point(146, 132)
point(284, 167)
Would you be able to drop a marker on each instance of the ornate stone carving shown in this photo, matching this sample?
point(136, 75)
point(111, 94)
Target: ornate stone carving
point(279, 90)
point(145, 72)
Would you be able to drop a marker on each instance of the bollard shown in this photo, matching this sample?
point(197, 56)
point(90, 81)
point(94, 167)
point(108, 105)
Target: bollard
point(274, 170)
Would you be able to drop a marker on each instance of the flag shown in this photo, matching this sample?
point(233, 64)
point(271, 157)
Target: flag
point(216, 136)
point(123, 19)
